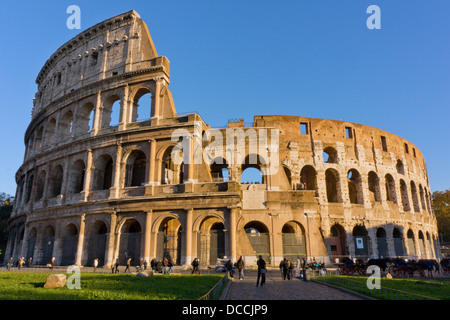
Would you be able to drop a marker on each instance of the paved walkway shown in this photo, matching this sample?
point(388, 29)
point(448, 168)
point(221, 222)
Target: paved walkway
point(278, 289)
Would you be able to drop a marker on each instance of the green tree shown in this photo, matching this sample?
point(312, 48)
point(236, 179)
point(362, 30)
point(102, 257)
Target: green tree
point(441, 207)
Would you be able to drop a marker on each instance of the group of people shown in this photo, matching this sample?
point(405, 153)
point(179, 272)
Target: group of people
point(286, 268)
point(163, 266)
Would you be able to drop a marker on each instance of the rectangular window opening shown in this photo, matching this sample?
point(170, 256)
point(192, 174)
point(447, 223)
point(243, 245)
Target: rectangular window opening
point(383, 143)
point(303, 128)
point(414, 152)
point(406, 148)
point(348, 133)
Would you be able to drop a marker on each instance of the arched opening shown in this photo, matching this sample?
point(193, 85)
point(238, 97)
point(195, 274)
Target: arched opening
point(398, 242)
point(50, 130)
point(415, 197)
point(383, 251)
point(130, 242)
point(66, 125)
point(39, 138)
point(422, 246)
point(85, 118)
point(252, 169)
point(374, 187)
point(70, 244)
point(142, 105)
point(400, 167)
point(169, 242)
point(47, 245)
point(40, 186)
point(97, 243)
point(411, 244)
point(287, 173)
point(332, 184)
point(338, 243)
point(29, 188)
point(111, 111)
point(354, 187)
point(308, 178)
point(172, 171)
point(404, 193)
point(56, 180)
point(361, 243)
point(391, 195)
point(258, 235)
point(211, 241)
point(422, 198)
point(136, 169)
point(330, 155)
point(294, 242)
point(104, 168)
point(31, 244)
point(219, 170)
point(76, 180)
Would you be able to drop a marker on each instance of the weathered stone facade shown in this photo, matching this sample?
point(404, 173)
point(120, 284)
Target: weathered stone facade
point(92, 188)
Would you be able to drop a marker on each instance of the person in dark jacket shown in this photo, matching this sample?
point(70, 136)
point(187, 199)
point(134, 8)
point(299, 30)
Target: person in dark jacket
point(195, 266)
point(229, 267)
point(261, 271)
point(241, 266)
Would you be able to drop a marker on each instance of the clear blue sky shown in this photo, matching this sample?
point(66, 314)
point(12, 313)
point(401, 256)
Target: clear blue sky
point(235, 59)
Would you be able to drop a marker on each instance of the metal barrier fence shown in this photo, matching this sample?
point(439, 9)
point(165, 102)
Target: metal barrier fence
point(214, 293)
point(380, 293)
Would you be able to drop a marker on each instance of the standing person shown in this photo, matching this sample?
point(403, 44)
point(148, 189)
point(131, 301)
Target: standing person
point(241, 265)
point(165, 265)
point(153, 264)
point(229, 267)
point(9, 264)
point(128, 265)
point(282, 267)
point(287, 270)
point(30, 261)
point(141, 264)
point(52, 263)
point(145, 264)
point(170, 265)
point(95, 264)
point(195, 266)
point(261, 271)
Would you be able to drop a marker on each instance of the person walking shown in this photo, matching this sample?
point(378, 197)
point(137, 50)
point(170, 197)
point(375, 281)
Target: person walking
point(261, 271)
point(170, 265)
point(95, 264)
point(229, 267)
point(52, 263)
point(195, 266)
point(282, 267)
point(116, 266)
point(240, 266)
point(287, 270)
point(145, 264)
point(30, 261)
point(165, 265)
point(128, 265)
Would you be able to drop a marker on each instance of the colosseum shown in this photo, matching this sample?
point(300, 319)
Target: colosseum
point(112, 171)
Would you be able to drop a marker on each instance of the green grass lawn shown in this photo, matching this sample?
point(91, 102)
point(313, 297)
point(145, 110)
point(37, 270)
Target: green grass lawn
point(439, 288)
point(98, 286)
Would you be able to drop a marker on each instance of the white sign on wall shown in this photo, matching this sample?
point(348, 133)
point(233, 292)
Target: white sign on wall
point(359, 243)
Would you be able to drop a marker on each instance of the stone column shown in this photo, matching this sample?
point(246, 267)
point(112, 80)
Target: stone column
point(88, 175)
point(115, 190)
point(98, 114)
point(80, 240)
point(147, 236)
point(111, 240)
point(151, 171)
point(188, 228)
point(232, 227)
point(156, 105)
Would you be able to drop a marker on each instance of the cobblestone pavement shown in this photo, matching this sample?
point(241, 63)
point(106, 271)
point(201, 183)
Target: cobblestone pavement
point(276, 288)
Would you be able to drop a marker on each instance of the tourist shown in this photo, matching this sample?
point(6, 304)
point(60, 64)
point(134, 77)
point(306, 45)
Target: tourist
point(282, 263)
point(195, 266)
point(145, 264)
point(116, 269)
point(229, 267)
point(52, 263)
point(95, 264)
point(261, 271)
point(287, 269)
point(128, 265)
point(240, 265)
point(9, 264)
point(165, 265)
point(30, 261)
point(153, 264)
point(141, 264)
point(170, 265)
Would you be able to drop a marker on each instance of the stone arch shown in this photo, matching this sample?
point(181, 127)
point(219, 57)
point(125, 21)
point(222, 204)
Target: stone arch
point(77, 173)
point(56, 180)
point(97, 242)
point(112, 111)
point(169, 238)
point(130, 241)
point(40, 186)
point(338, 242)
point(211, 239)
point(50, 131)
point(404, 194)
point(39, 140)
point(360, 236)
point(66, 125)
point(252, 169)
point(308, 178)
point(412, 252)
point(136, 168)
point(422, 197)
point(48, 242)
point(85, 118)
point(383, 251)
point(330, 155)
point(219, 169)
point(31, 245)
point(415, 197)
point(294, 241)
point(29, 187)
point(172, 171)
point(398, 242)
point(422, 245)
point(258, 235)
point(354, 187)
point(104, 169)
point(391, 194)
point(374, 187)
point(144, 111)
point(69, 244)
point(333, 186)
point(400, 167)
